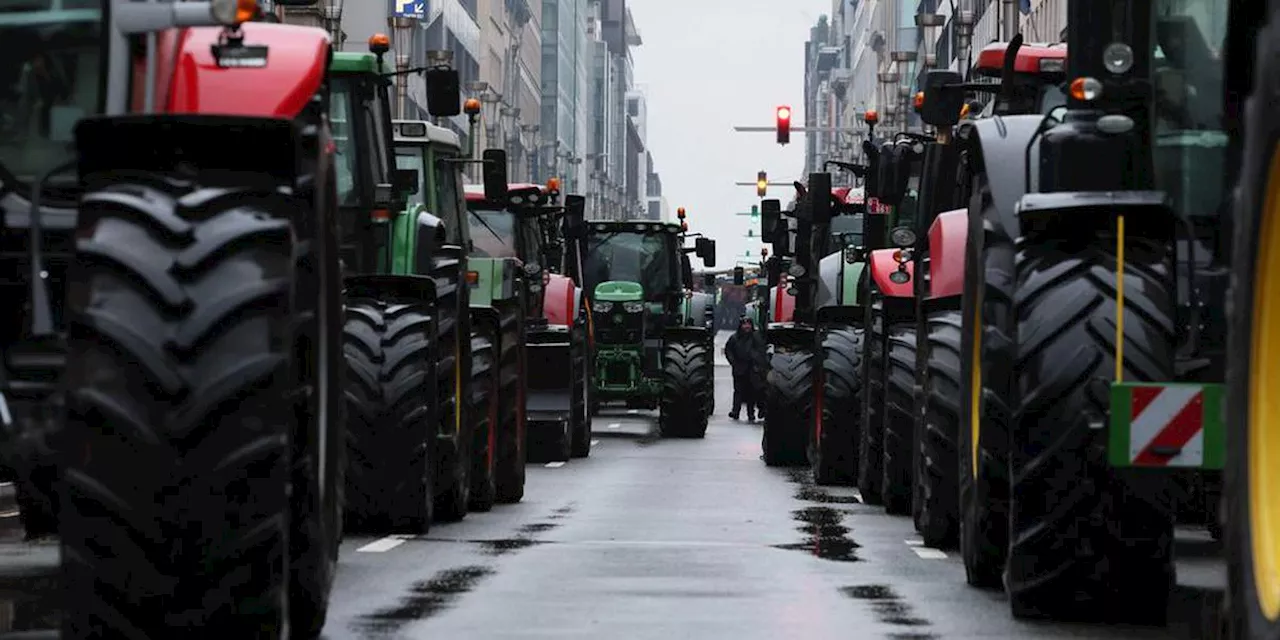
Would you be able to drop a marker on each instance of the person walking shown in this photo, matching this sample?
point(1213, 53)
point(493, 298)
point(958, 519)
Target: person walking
point(743, 350)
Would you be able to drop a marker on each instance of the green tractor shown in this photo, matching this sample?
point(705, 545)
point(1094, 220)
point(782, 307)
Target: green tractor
point(539, 235)
point(417, 392)
point(649, 349)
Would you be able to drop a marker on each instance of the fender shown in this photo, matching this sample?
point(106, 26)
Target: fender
point(682, 334)
point(297, 59)
point(1149, 214)
point(558, 304)
point(696, 306)
point(416, 288)
point(829, 269)
point(783, 307)
point(947, 238)
point(791, 336)
point(883, 264)
point(1001, 141)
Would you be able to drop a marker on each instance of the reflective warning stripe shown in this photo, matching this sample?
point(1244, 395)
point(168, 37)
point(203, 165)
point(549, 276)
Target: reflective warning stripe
point(1168, 418)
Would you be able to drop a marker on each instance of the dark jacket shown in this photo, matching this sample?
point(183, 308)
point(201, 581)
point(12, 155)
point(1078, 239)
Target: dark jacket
point(745, 352)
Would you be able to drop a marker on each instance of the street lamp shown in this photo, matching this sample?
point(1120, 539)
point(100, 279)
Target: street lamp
point(402, 27)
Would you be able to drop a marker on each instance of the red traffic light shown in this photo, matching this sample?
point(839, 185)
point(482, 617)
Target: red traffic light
point(784, 124)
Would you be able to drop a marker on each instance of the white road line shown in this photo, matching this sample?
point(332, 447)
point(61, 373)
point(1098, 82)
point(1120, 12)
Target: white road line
point(914, 542)
point(386, 544)
point(555, 465)
point(615, 425)
point(594, 442)
point(633, 411)
point(926, 553)
point(8, 514)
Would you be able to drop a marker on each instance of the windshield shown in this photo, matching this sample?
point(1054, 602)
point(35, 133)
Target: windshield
point(448, 194)
point(341, 95)
point(645, 258)
point(410, 157)
point(1190, 136)
point(847, 229)
point(50, 77)
point(493, 234)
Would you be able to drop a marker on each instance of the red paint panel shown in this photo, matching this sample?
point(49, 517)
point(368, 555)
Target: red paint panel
point(557, 296)
point(883, 264)
point(784, 305)
point(991, 59)
point(947, 237)
point(1142, 396)
point(295, 69)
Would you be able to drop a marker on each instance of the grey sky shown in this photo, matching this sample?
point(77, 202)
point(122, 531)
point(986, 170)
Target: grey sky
point(706, 66)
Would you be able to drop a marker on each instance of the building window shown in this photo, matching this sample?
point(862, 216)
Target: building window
point(470, 6)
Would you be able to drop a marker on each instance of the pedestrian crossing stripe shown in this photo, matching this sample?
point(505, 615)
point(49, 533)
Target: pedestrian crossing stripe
point(1166, 425)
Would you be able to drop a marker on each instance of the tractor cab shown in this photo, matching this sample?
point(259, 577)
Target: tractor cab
point(1039, 72)
point(430, 152)
point(371, 191)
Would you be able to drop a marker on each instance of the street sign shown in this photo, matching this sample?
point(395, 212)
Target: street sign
point(411, 9)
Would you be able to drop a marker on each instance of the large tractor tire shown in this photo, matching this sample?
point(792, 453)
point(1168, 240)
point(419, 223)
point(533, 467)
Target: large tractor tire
point(482, 393)
point(387, 349)
point(1079, 527)
point(688, 373)
point(986, 372)
point(1250, 478)
point(789, 407)
point(512, 449)
point(936, 473)
point(452, 461)
point(871, 440)
point(579, 403)
point(897, 485)
point(833, 447)
point(178, 446)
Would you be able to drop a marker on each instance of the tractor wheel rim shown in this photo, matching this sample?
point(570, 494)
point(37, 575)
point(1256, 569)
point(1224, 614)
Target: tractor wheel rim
point(975, 384)
point(1264, 410)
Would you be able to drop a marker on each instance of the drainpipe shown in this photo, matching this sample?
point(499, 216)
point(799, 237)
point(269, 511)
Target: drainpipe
point(964, 35)
point(1010, 19)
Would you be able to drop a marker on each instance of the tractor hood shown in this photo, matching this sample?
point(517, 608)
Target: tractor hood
point(619, 291)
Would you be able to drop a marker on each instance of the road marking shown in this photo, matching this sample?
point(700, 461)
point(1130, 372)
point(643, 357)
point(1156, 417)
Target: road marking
point(594, 442)
point(555, 465)
point(615, 425)
point(926, 553)
point(8, 514)
point(914, 542)
point(633, 411)
point(386, 544)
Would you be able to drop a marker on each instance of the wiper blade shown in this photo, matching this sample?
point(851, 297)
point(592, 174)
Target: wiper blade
point(485, 223)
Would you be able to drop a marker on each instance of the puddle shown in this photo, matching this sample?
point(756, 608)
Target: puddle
point(538, 527)
point(825, 537)
point(29, 603)
point(648, 439)
point(425, 599)
point(504, 547)
point(809, 492)
point(889, 608)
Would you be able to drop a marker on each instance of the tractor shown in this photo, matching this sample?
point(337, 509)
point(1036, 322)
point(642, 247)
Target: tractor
point(175, 354)
point(921, 278)
point(532, 230)
point(1093, 348)
point(649, 350)
point(417, 391)
point(816, 322)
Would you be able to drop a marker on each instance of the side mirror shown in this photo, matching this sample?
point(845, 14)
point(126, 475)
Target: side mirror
point(404, 182)
point(770, 218)
point(444, 92)
point(575, 211)
point(706, 249)
point(943, 99)
point(383, 195)
point(820, 198)
point(495, 175)
point(739, 275)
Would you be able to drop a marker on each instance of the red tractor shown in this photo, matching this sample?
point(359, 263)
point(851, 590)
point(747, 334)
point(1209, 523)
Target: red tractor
point(181, 154)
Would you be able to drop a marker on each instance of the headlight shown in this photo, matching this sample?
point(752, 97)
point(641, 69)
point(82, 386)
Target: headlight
point(796, 271)
point(1117, 57)
point(604, 307)
point(903, 237)
point(532, 268)
point(900, 277)
point(850, 254)
point(633, 307)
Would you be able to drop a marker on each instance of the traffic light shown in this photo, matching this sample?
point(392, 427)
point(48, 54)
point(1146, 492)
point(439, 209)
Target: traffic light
point(784, 125)
point(738, 275)
point(762, 183)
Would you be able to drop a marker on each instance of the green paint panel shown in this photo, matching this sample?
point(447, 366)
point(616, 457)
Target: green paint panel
point(351, 62)
point(1121, 446)
point(482, 291)
point(619, 291)
point(849, 277)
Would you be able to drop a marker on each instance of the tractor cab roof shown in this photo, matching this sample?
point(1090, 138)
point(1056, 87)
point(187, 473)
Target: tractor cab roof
point(347, 62)
point(1047, 60)
point(636, 226)
point(423, 132)
point(523, 195)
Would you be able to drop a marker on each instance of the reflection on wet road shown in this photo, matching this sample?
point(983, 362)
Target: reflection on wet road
point(652, 538)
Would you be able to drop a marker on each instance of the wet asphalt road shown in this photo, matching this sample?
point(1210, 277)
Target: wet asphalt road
point(653, 538)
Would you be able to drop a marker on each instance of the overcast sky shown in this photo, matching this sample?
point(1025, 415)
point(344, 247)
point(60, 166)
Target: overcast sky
point(706, 66)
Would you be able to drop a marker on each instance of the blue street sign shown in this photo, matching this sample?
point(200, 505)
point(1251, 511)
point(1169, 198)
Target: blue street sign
point(411, 9)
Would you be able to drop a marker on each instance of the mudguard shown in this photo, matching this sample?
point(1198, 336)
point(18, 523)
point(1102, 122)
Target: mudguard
point(1001, 142)
point(883, 264)
point(297, 59)
point(828, 292)
point(253, 145)
point(684, 334)
point(548, 352)
point(1148, 214)
point(789, 336)
point(947, 237)
point(495, 280)
point(560, 300)
point(696, 307)
point(385, 286)
point(783, 305)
